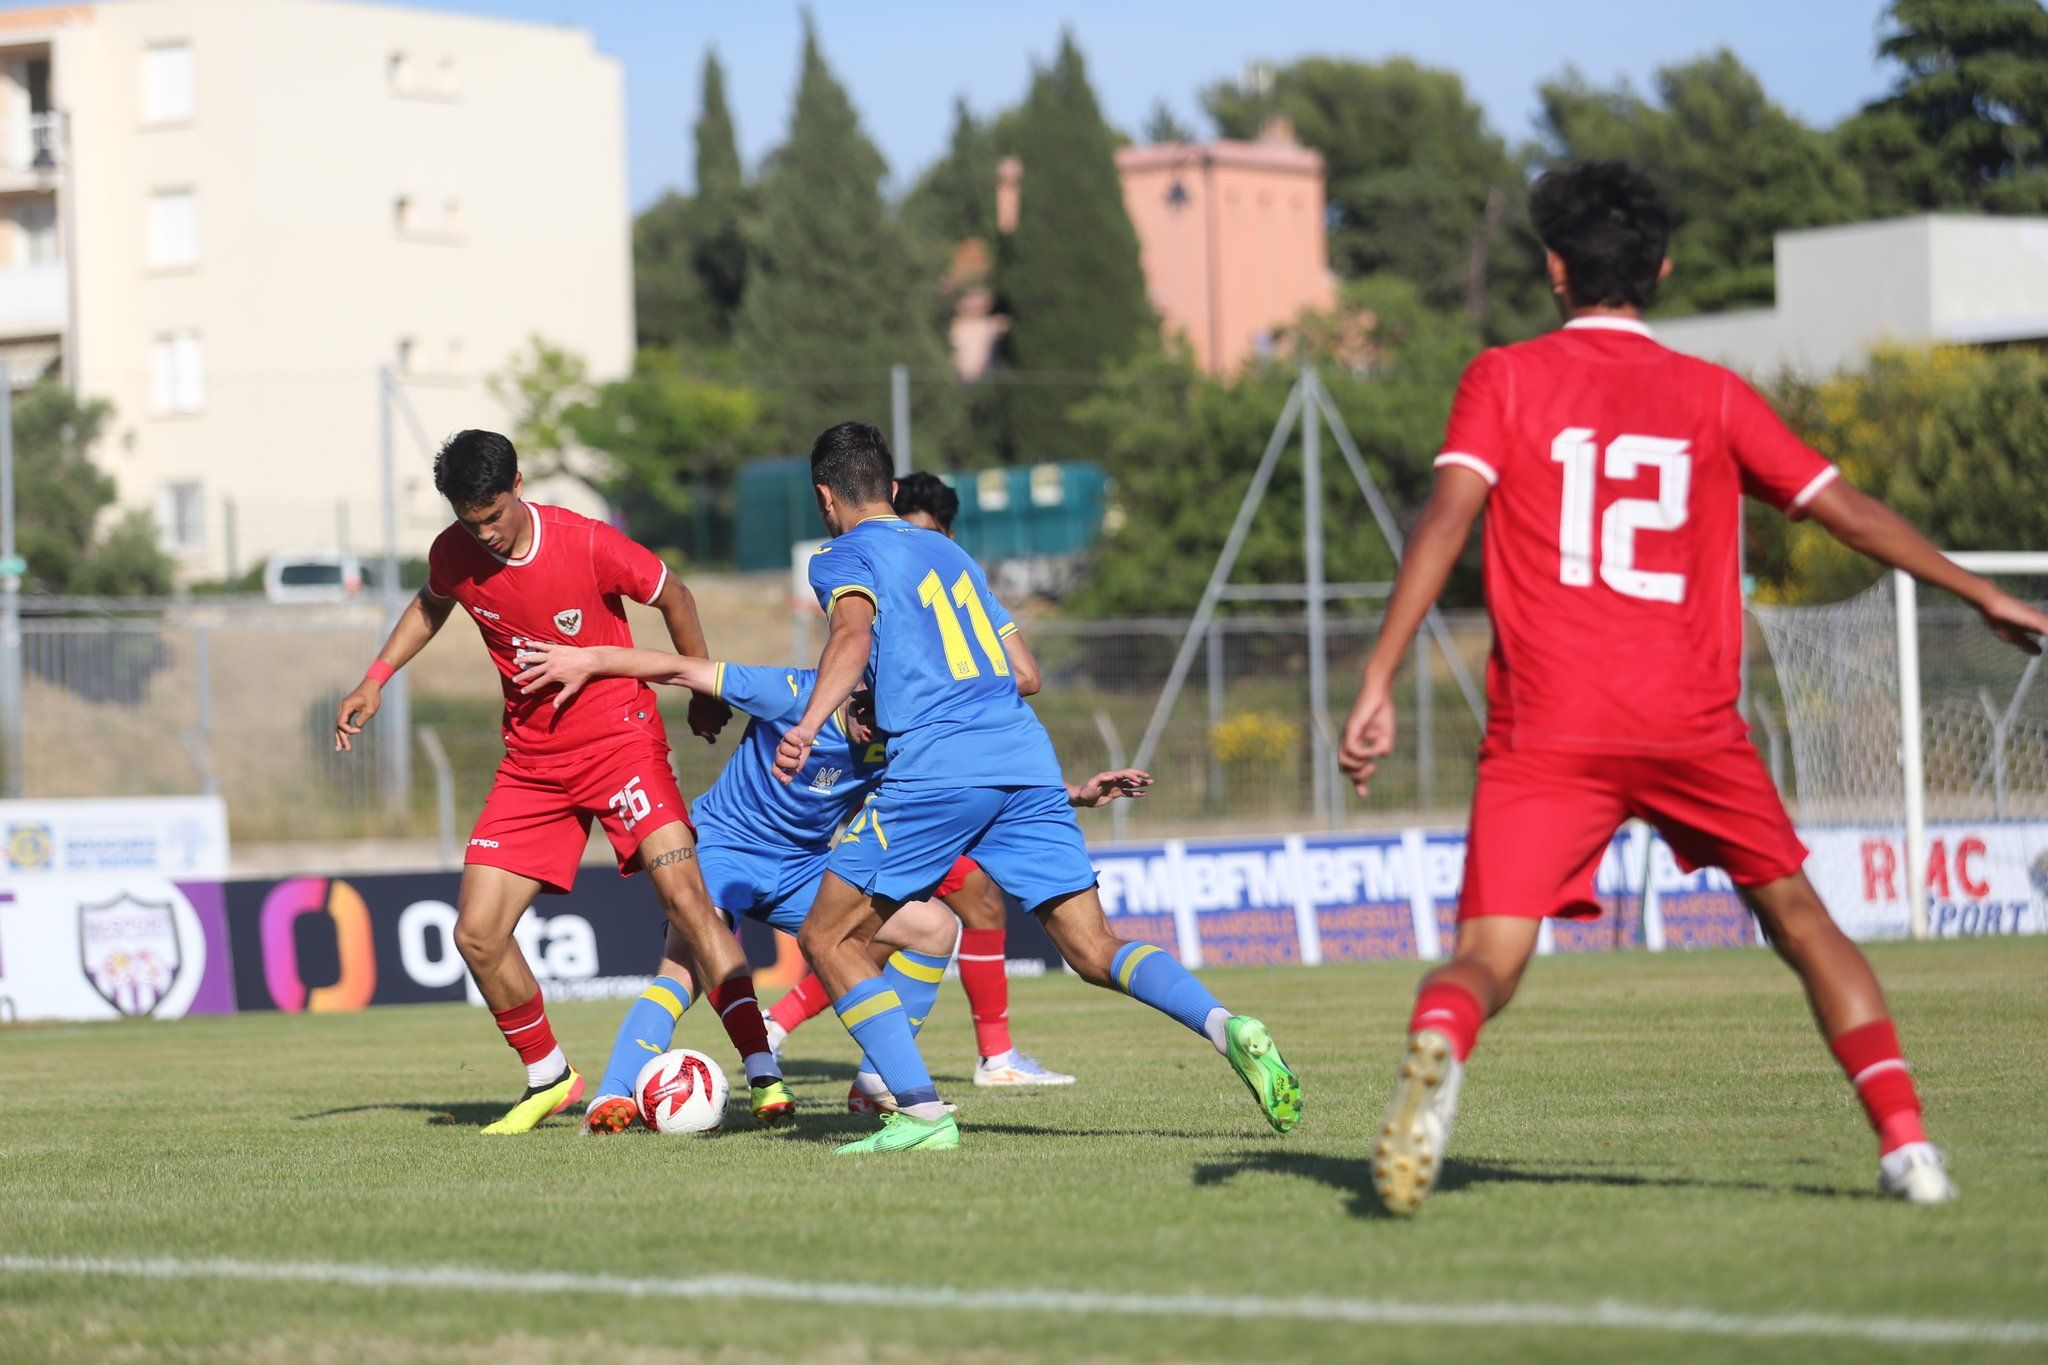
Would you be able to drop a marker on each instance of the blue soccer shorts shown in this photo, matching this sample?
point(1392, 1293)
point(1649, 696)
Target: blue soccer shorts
point(773, 886)
point(905, 840)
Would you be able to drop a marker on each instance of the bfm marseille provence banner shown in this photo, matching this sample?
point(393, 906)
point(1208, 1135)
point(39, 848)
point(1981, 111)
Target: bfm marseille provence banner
point(113, 908)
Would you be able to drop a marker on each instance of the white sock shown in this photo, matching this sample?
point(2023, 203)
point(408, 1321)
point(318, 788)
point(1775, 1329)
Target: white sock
point(1000, 1059)
point(548, 1068)
point(869, 1084)
point(931, 1111)
point(1217, 1027)
point(761, 1064)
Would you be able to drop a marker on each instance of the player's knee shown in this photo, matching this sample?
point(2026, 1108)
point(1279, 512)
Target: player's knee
point(476, 943)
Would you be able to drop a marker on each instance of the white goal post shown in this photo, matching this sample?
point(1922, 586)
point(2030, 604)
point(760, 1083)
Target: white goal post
point(1920, 745)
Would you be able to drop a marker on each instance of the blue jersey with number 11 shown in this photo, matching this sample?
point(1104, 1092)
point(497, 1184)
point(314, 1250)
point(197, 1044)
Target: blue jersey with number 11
point(943, 690)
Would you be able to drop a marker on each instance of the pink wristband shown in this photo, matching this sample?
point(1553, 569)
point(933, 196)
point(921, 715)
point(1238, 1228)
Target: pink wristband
point(379, 672)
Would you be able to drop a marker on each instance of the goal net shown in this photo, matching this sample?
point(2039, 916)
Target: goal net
point(1912, 727)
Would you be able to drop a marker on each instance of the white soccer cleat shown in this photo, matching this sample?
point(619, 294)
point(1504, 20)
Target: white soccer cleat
point(1917, 1174)
point(1017, 1068)
point(1408, 1156)
point(777, 1035)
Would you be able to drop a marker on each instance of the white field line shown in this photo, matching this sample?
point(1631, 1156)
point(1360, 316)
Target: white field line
point(1605, 1315)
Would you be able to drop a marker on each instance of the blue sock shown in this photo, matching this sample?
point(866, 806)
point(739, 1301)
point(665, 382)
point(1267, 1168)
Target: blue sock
point(1144, 972)
point(644, 1034)
point(873, 1014)
point(915, 978)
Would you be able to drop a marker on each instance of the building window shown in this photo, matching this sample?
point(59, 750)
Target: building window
point(451, 218)
point(35, 218)
point(449, 83)
point(407, 350)
point(173, 230)
point(456, 355)
point(182, 512)
point(402, 215)
point(398, 70)
point(177, 372)
point(168, 91)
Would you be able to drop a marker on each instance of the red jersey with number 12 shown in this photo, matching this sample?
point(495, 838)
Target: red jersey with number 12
point(1613, 535)
point(565, 589)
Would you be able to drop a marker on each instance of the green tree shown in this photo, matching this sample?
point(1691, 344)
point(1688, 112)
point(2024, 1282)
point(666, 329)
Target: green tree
point(1966, 124)
point(1735, 167)
point(1953, 437)
point(1419, 185)
point(956, 199)
point(1163, 125)
point(836, 292)
point(1181, 447)
point(689, 252)
point(62, 495)
point(670, 444)
point(1068, 277)
point(538, 388)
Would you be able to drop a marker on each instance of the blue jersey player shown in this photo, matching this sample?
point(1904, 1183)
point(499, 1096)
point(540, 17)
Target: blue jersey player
point(970, 770)
point(762, 846)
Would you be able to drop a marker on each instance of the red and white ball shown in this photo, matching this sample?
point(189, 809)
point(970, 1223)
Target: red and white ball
point(681, 1092)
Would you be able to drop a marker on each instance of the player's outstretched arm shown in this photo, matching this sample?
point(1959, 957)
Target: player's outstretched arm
point(1433, 548)
point(840, 667)
point(422, 617)
point(1120, 784)
point(678, 607)
point(569, 667)
point(1869, 527)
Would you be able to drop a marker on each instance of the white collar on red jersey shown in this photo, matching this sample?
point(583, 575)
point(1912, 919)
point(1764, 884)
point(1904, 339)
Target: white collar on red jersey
point(1607, 324)
point(532, 549)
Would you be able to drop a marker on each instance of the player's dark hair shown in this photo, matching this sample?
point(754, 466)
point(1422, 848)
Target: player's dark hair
point(853, 460)
point(473, 467)
point(928, 493)
point(1608, 221)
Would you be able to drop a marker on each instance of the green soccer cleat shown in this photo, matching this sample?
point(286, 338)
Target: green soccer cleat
point(1264, 1071)
point(902, 1133)
point(538, 1103)
point(773, 1104)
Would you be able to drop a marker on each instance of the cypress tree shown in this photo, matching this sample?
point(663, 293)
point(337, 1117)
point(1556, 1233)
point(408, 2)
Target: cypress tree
point(834, 292)
point(719, 253)
point(1068, 276)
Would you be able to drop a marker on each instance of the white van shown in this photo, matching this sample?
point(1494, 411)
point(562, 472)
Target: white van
point(318, 577)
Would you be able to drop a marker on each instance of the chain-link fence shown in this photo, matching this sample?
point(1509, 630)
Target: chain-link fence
point(238, 697)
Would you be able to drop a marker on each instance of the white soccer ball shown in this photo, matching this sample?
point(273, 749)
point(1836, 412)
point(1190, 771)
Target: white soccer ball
point(681, 1092)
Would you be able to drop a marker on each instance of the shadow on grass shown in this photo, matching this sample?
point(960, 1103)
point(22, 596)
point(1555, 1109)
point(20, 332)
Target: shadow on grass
point(1351, 1177)
point(470, 1115)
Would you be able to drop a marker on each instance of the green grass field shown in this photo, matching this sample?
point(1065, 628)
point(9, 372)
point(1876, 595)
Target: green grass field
point(1657, 1134)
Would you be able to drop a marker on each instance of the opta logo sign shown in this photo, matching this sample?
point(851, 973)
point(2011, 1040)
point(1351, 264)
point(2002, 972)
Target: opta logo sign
point(343, 906)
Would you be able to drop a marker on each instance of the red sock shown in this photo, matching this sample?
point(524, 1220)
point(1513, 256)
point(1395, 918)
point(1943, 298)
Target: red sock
point(1869, 1053)
point(526, 1028)
point(987, 981)
point(740, 1012)
point(806, 998)
point(1451, 1010)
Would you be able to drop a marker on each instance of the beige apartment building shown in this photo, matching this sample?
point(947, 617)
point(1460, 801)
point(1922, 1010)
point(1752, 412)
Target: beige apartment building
point(224, 216)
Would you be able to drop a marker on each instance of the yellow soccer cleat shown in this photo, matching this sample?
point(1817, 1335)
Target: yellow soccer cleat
point(773, 1104)
point(540, 1102)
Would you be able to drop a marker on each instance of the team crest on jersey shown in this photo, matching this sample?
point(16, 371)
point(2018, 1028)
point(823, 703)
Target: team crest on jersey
point(826, 780)
point(570, 621)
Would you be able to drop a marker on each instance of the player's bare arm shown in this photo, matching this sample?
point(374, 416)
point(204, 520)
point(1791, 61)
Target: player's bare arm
point(1432, 552)
point(422, 617)
point(840, 667)
point(569, 667)
point(1869, 527)
point(1023, 663)
point(678, 607)
point(1119, 784)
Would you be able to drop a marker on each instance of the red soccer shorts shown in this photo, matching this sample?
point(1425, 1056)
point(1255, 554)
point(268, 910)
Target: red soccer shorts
point(536, 821)
point(1541, 822)
point(963, 868)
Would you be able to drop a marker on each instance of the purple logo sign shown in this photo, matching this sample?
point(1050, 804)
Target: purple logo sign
point(129, 951)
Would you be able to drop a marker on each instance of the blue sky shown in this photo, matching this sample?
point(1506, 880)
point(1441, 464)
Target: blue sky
point(905, 60)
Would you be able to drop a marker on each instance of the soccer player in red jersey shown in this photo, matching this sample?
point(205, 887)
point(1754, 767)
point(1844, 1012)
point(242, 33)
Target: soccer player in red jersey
point(528, 572)
point(983, 954)
point(1611, 471)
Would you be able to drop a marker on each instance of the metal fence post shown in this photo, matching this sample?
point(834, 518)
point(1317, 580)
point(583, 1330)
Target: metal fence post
point(397, 710)
point(899, 416)
point(11, 728)
point(1219, 781)
point(1425, 724)
point(1321, 758)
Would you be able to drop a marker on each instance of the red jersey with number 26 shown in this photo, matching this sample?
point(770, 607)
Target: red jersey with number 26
point(1613, 535)
point(566, 589)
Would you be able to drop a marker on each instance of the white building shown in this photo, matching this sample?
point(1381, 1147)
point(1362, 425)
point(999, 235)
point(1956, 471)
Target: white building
point(1842, 290)
point(263, 201)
